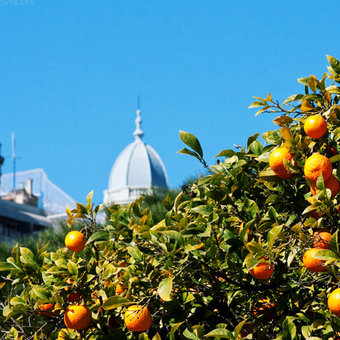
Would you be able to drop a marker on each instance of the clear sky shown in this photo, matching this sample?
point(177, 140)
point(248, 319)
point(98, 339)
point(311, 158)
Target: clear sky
point(71, 71)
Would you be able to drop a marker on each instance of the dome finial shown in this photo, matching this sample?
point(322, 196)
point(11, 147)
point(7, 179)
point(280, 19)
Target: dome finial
point(138, 133)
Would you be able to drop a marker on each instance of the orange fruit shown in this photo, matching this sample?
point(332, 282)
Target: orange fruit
point(262, 270)
point(265, 308)
point(315, 126)
point(311, 263)
point(75, 241)
point(332, 184)
point(77, 317)
point(276, 162)
point(46, 309)
point(120, 289)
point(317, 165)
point(137, 318)
point(73, 297)
point(334, 301)
point(321, 239)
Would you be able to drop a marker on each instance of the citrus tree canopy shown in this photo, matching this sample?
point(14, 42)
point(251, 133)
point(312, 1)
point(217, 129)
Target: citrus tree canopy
point(250, 250)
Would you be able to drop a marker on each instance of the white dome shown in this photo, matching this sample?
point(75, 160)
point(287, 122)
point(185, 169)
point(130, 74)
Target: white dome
point(136, 171)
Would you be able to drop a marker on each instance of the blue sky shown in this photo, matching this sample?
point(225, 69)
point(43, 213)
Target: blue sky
point(71, 71)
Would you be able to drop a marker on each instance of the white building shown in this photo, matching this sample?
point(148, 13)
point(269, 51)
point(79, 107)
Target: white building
point(29, 203)
point(137, 170)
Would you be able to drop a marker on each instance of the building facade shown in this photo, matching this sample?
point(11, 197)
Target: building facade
point(29, 203)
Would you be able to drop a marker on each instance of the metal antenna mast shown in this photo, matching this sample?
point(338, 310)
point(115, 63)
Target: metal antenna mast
point(2, 159)
point(13, 159)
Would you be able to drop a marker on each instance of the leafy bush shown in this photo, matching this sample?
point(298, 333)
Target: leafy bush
point(194, 269)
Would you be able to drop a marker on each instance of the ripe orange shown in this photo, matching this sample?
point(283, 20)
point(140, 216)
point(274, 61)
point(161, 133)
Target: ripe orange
point(315, 126)
point(137, 318)
point(317, 165)
point(311, 263)
point(75, 241)
point(332, 184)
point(77, 317)
point(334, 301)
point(73, 297)
point(265, 308)
point(46, 309)
point(120, 289)
point(276, 162)
point(321, 239)
point(262, 270)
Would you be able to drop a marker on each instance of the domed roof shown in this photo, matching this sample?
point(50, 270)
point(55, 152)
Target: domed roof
point(137, 169)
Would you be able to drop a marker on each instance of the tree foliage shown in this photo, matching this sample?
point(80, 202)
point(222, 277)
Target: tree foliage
point(192, 267)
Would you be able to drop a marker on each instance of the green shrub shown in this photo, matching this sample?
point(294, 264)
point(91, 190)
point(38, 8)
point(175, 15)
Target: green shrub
point(192, 268)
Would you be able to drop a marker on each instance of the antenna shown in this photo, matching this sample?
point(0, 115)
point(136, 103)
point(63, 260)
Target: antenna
point(13, 159)
point(2, 159)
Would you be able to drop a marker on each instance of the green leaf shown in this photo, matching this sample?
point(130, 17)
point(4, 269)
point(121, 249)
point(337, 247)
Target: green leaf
point(254, 247)
point(292, 98)
point(252, 139)
point(256, 148)
point(185, 151)
point(165, 289)
point(190, 335)
point(174, 235)
point(333, 89)
point(167, 202)
point(251, 208)
point(273, 235)
point(89, 199)
point(238, 328)
point(204, 210)
point(115, 302)
point(291, 256)
point(313, 83)
point(72, 268)
point(13, 334)
point(81, 209)
point(335, 159)
point(17, 301)
point(191, 141)
point(289, 328)
point(303, 81)
point(135, 253)
point(220, 333)
point(4, 266)
point(173, 330)
point(226, 153)
point(334, 242)
point(335, 64)
point(157, 337)
point(326, 255)
point(98, 235)
point(27, 257)
point(257, 104)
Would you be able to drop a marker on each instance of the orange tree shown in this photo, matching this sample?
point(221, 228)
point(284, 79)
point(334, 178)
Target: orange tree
point(247, 251)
